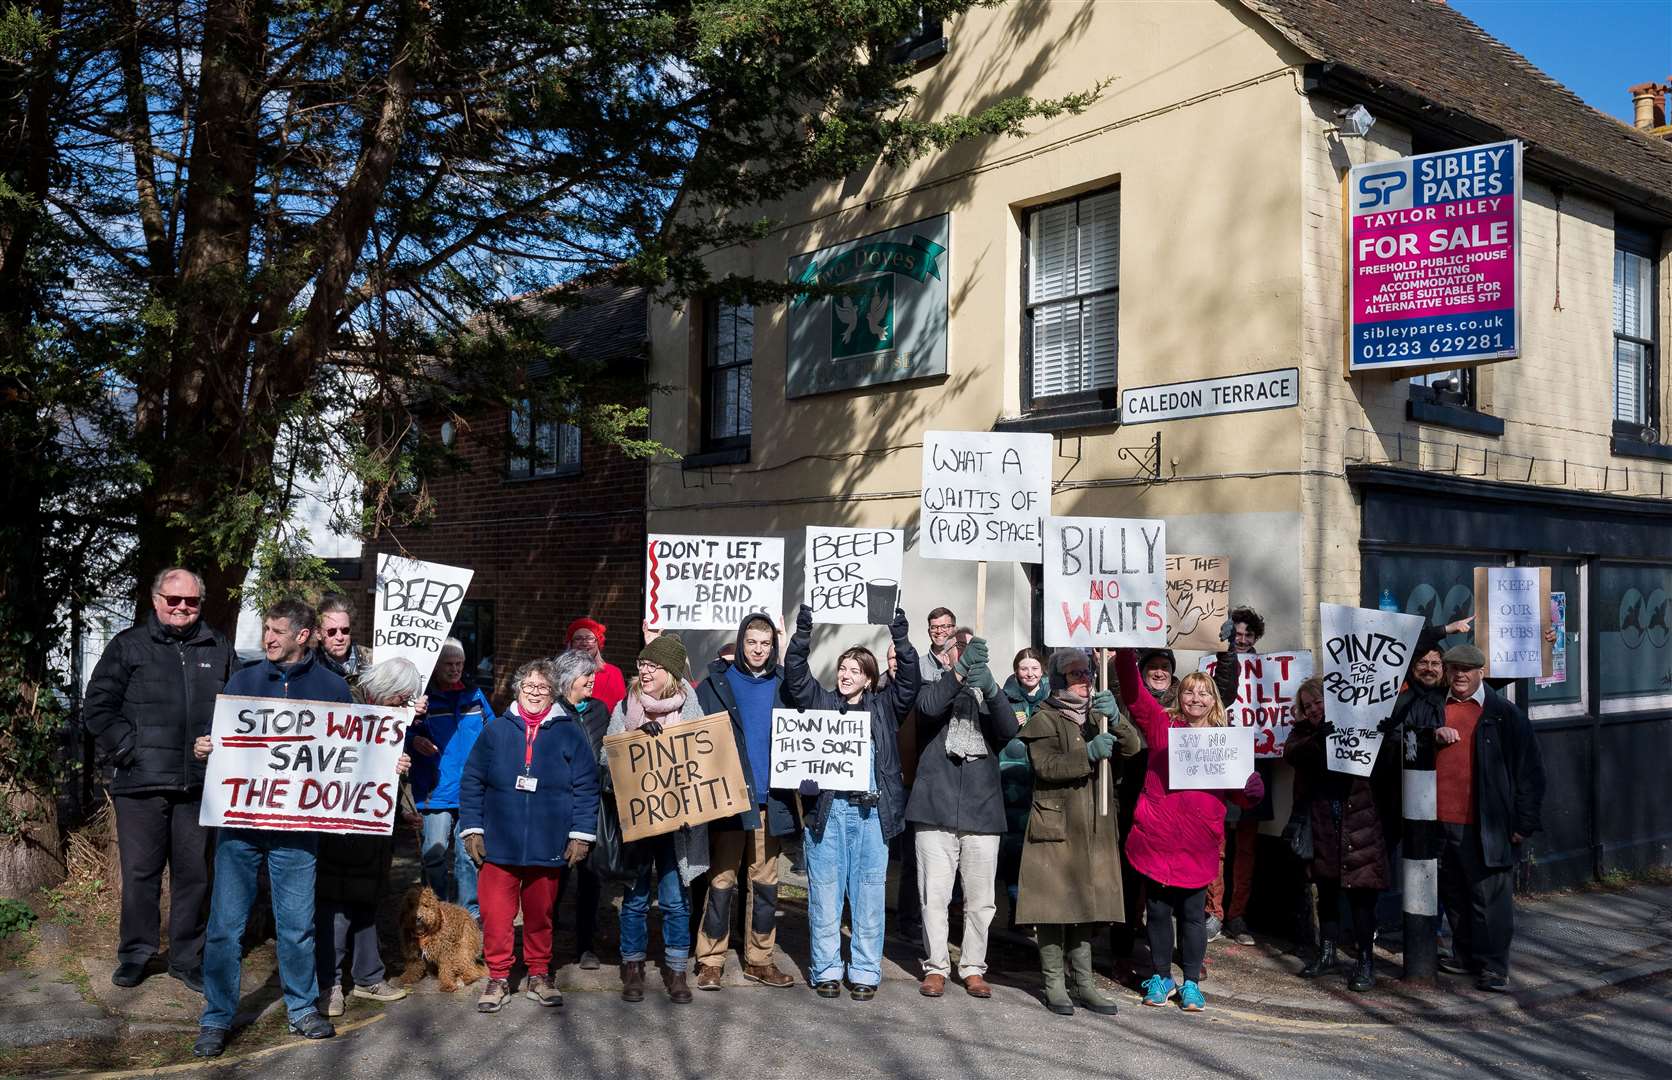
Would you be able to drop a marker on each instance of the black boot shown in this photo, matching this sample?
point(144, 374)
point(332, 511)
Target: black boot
point(1323, 961)
point(1364, 977)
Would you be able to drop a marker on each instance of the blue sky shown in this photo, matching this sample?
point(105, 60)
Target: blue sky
point(1596, 48)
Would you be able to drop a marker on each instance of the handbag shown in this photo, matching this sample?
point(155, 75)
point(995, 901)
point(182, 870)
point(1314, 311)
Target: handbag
point(612, 858)
point(1298, 832)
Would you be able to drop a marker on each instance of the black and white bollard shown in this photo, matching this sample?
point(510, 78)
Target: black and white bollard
point(1420, 857)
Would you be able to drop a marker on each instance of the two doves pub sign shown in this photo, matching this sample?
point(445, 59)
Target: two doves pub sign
point(885, 320)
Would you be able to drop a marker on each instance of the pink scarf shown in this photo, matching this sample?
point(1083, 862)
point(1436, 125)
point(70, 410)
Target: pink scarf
point(639, 710)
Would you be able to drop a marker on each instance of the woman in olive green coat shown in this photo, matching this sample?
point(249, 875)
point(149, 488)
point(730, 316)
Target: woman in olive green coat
point(1071, 879)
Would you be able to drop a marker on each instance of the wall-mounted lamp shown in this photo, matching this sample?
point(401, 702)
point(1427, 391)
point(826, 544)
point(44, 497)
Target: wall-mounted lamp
point(1356, 121)
point(447, 433)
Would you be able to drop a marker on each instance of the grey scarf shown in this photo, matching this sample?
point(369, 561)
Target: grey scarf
point(1070, 704)
point(963, 733)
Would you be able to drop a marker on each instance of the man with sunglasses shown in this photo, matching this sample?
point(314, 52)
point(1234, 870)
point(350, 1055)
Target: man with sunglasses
point(150, 697)
point(337, 650)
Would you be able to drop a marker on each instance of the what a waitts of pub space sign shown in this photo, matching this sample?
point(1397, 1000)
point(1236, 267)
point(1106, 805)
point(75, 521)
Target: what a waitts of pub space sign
point(887, 321)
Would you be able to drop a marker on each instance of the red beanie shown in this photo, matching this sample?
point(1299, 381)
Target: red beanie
point(584, 623)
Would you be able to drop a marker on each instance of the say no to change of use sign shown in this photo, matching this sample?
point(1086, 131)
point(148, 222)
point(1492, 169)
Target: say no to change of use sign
point(1212, 758)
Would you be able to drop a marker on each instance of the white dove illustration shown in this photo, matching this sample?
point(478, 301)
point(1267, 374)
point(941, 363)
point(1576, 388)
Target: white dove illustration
point(874, 317)
point(847, 313)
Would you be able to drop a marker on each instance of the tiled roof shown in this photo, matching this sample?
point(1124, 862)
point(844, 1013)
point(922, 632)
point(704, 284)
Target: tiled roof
point(1428, 49)
point(600, 324)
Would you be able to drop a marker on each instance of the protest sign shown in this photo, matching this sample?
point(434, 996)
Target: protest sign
point(1366, 652)
point(687, 775)
point(1105, 582)
point(416, 604)
point(712, 582)
point(853, 575)
point(1266, 695)
point(1558, 648)
point(1433, 266)
point(303, 766)
point(984, 494)
point(1512, 612)
point(828, 747)
point(1211, 758)
point(1198, 600)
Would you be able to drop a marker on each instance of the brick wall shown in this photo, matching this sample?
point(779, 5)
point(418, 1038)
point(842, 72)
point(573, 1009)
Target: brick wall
point(545, 551)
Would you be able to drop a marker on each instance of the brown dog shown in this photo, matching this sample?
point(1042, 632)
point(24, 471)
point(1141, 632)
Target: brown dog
point(439, 937)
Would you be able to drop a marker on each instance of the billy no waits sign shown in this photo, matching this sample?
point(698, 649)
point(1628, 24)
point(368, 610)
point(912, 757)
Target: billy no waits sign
point(1254, 392)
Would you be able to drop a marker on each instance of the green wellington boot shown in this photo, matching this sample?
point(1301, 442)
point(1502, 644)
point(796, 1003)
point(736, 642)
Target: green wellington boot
point(1050, 965)
point(1086, 992)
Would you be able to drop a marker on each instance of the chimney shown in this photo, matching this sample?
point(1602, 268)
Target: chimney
point(1650, 110)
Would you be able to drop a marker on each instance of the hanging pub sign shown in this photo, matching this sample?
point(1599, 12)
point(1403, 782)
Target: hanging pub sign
point(1433, 260)
point(888, 322)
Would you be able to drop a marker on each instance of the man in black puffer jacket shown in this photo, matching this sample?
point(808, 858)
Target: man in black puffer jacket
point(150, 697)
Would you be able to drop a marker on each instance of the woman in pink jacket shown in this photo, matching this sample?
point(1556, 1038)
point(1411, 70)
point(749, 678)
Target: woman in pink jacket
point(1177, 836)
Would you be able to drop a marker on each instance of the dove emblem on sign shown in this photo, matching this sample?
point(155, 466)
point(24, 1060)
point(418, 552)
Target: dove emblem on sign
point(847, 313)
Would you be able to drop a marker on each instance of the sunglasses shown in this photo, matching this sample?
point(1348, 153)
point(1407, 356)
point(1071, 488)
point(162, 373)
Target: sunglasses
point(181, 601)
point(336, 631)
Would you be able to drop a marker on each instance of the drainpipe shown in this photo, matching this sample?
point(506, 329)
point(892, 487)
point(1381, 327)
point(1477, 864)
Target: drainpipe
point(1419, 858)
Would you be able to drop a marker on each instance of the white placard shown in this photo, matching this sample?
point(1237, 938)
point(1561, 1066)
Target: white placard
point(712, 582)
point(1365, 655)
point(984, 495)
point(1105, 582)
point(416, 604)
point(828, 747)
point(1210, 758)
point(1266, 695)
point(303, 766)
point(853, 575)
point(1515, 632)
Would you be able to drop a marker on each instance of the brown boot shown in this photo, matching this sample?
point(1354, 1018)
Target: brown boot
point(709, 976)
point(766, 975)
point(678, 992)
point(632, 980)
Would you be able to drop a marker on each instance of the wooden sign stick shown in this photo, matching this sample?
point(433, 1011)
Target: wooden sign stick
point(981, 598)
point(1102, 729)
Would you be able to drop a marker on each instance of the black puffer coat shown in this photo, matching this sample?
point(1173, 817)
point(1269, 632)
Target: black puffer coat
point(151, 695)
point(1353, 817)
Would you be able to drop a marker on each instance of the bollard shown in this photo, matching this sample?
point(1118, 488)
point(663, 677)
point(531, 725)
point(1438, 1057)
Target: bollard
point(1419, 857)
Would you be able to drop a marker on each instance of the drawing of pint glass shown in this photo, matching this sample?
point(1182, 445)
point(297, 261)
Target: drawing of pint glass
point(882, 596)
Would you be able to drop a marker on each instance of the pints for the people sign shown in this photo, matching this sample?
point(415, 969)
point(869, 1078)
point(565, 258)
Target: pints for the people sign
point(1433, 259)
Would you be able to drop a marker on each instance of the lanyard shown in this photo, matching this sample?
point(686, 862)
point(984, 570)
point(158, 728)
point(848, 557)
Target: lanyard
point(529, 732)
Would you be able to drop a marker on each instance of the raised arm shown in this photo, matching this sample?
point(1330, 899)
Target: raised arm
point(908, 678)
point(1147, 714)
point(798, 675)
point(1227, 673)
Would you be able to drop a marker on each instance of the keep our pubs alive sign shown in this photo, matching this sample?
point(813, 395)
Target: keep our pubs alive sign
point(1433, 259)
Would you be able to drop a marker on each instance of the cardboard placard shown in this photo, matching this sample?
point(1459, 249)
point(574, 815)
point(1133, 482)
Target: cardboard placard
point(1365, 655)
point(687, 775)
point(415, 607)
point(1512, 618)
point(1105, 582)
point(1209, 758)
point(303, 766)
point(853, 575)
point(1198, 600)
point(984, 495)
point(712, 582)
point(1266, 695)
point(827, 746)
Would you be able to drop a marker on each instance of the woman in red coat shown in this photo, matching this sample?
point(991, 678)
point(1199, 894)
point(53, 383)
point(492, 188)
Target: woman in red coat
point(610, 686)
point(1177, 836)
point(1351, 821)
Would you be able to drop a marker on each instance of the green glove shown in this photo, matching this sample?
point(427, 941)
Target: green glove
point(1103, 704)
point(1101, 747)
point(980, 676)
point(976, 651)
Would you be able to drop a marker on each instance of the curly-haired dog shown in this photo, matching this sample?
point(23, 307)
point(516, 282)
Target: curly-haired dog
point(439, 937)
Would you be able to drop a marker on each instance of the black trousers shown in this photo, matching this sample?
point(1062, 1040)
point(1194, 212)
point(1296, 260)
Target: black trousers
point(154, 831)
point(588, 889)
point(1163, 904)
point(1479, 898)
point(1361, 909)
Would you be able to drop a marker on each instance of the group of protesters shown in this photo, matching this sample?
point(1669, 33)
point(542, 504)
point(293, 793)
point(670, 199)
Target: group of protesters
point(1048, 783)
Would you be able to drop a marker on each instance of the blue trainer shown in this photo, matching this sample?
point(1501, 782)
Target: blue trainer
point(1190, 997)
point(1157, 989)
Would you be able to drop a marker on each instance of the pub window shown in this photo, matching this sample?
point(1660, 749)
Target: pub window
point(541, 444)
point(1455, 387)
point(1634, 607)
point(728, 374)
point(1072, 303)
point(1636, 351)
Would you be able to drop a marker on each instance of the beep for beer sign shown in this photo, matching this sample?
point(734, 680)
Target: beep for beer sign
point(1433, 259)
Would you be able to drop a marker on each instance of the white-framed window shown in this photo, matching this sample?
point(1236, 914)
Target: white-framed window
point(540, 445)
point(1636, 356)
point(728, 360)
point(1071, 311)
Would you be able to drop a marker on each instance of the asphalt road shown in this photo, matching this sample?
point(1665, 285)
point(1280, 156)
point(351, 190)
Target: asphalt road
point(756, 1032)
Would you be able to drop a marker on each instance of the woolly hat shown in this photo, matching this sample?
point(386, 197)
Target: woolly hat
point(1465, 656)
point(666, 651)
point(1146, 655)
point(584, 623)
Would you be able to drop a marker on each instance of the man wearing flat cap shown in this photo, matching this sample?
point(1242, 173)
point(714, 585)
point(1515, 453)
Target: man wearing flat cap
point(1489, 782)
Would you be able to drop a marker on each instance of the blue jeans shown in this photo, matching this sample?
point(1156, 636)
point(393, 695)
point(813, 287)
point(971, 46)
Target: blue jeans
point(239, 855)
point(849, 862)
point(441, 828)
point(662, 873)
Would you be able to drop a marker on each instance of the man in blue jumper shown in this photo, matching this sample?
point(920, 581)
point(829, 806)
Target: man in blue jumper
point(749, 686)
point(291, 670)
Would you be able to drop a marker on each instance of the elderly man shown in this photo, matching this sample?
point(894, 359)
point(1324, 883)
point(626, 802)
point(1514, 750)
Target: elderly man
point(151, 695)
point(337, 650)
point(1489, 790)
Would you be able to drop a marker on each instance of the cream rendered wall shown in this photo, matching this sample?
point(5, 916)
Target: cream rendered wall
point(1556, 399)
point(1200, 129)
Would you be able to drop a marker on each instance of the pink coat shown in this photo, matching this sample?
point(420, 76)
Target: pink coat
point(1178, 837)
